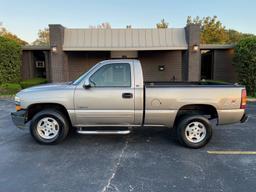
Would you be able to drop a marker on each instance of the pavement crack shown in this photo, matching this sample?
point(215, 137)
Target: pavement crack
point(116, 166)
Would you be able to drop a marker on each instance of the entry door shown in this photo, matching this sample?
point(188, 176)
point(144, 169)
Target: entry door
point(207, 60)
point(110, 98)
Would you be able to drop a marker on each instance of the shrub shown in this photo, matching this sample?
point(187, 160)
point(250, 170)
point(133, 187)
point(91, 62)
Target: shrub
point(32, 82)
point(245, 63)
point(10, 60)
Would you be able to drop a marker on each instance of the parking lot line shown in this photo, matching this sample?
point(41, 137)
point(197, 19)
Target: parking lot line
point(232, 152)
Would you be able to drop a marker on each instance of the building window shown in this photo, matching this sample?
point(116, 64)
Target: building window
point(40, 64)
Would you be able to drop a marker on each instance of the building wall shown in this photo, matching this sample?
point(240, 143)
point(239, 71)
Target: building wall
point(223, 67)
point(27, 71)
point(59, 65)
point(79, 62)
point(193, 56)
point(175, 67)
point(28, 67)
point(172, 60)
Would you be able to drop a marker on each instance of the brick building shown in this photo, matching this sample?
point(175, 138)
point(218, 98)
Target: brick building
point(173, 54)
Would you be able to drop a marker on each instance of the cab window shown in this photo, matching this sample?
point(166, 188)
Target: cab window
point(112, 75)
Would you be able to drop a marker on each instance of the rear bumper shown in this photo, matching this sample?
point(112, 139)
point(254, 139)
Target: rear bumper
point(229, 116)
point(244, 118)
point(19, 118)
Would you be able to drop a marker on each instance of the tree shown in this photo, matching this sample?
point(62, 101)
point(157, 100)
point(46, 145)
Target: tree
point(43, 37)
point(212, 30)
point(105, 25)
point(245, 63)
point(235, 36)
point(2, 29)
point(10, 62)
point(162, 24)
point(9, 35)
point(128, 26)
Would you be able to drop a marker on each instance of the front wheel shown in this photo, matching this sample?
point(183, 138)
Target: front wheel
point(49, 127)
point(194, 131)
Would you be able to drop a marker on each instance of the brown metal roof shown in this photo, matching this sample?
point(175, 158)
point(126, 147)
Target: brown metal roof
point(124, 39)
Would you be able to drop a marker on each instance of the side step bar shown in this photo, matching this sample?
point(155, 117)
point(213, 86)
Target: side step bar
point(103, 132)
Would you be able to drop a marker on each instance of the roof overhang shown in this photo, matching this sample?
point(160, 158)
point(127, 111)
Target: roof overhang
point(124, 39)
point(36, 48)
point(124, 49)
point(217, 46)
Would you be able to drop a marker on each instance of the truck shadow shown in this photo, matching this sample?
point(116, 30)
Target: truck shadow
point(137, 136)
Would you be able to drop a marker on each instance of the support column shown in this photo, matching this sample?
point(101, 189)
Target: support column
point(58, 58)
point(47, 66)
point(193, 56)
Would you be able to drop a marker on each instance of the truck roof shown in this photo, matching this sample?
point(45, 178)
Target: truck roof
point(119, 60)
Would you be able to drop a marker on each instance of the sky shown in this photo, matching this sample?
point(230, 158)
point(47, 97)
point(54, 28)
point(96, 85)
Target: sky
point(25, 18)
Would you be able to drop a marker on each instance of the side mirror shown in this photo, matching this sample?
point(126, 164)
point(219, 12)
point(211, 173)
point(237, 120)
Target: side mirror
point(87, 84)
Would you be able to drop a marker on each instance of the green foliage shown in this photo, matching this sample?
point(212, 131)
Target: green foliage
point(235, 36)
point(212, 31)
point(32, 82)
point(104, 25)
point(13, 37)
point(163, 24)
point(43, 37)
point(9, 88)
point(9, 35)
point(13, 88)
point(10, 60)
point(245, 63)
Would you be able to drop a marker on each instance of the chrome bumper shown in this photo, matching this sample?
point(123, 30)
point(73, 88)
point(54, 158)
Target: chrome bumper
point(19, 118)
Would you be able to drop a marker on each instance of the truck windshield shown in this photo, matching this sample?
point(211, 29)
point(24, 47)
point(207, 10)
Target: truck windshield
point(79, 79)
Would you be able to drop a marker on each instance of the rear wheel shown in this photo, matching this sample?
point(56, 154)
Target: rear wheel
point(49, 127)
point(194, 131)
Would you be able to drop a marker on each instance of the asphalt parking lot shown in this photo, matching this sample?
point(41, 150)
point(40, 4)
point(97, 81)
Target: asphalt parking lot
point(146, 160)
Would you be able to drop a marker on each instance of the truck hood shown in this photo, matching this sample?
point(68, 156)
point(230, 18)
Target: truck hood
point(47, 87)
point(60, 93)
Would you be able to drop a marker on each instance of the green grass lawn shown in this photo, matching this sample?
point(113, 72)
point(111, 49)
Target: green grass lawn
point(13, 88)
point(252, 97)
point(32, 82)
point(9, 88)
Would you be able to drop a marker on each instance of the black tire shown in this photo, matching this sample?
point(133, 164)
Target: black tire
point(62, 121)
point(188, 120)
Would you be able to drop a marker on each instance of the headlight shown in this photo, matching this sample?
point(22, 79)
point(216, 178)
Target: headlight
point(17, 100)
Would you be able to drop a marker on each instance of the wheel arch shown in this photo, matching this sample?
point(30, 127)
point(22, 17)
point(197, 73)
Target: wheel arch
point(197, 109)
point(37, 107)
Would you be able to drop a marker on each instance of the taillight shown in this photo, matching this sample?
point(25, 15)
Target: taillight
point(243, 99)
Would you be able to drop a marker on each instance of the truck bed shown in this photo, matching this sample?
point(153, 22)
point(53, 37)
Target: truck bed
point(190, 84)
point(164, 99)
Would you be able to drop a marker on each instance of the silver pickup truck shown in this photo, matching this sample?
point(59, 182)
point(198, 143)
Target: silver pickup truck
point(112, 98)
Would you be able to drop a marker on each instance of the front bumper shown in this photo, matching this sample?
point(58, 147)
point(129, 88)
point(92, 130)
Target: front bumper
point(244, 118)
point(19, 118)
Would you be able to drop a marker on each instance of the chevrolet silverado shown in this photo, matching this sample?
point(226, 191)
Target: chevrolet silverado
point(112, 98)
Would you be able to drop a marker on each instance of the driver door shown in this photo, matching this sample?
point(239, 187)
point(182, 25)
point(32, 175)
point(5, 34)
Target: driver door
point(110, 98)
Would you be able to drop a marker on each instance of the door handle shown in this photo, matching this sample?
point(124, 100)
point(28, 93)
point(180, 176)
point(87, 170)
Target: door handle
point(127, 95)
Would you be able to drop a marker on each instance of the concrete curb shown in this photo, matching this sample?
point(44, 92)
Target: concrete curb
point(7, 97)
point(251, 99)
